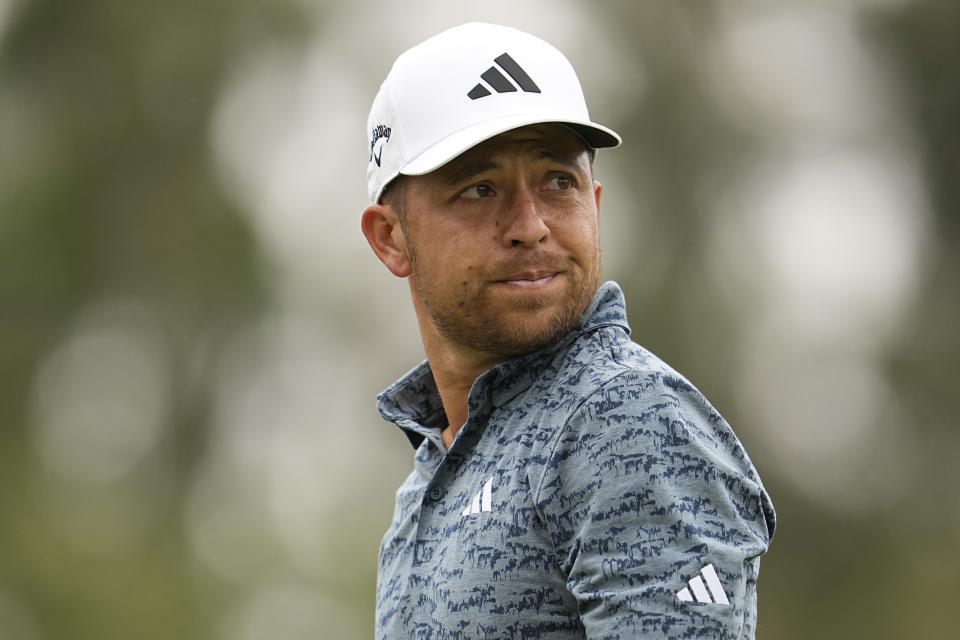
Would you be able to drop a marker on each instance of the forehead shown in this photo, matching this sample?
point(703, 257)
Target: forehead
point(547, 141)
point(549, 135)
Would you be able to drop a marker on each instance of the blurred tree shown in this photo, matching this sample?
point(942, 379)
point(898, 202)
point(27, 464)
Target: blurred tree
point(107, 192)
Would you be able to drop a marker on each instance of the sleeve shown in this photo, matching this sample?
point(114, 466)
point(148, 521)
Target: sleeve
point(656, 514)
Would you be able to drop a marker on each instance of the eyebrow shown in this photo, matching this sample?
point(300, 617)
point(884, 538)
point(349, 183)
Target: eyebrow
point(465, 170)
point(569, 158)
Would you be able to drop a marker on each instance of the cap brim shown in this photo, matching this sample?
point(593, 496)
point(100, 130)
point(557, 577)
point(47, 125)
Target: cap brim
point(594, 135)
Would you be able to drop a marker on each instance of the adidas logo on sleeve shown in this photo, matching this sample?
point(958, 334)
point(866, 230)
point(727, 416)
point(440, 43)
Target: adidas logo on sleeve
point(704, 588)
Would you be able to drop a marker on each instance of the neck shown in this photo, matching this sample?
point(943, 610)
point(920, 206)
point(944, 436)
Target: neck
point(455, 368)
point(454, 377)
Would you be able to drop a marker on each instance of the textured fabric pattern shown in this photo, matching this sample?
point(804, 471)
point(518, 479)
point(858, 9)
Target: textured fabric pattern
point(590, 485)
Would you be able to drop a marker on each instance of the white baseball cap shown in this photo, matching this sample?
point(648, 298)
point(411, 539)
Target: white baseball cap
point(466, 85)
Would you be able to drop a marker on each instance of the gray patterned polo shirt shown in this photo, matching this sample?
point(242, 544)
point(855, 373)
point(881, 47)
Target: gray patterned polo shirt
point(592, 493)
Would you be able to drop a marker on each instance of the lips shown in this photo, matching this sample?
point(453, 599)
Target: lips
point(534, 266)
point(531, 276)
point(532, 280)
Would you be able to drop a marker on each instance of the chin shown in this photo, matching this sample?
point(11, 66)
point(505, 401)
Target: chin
point(530, 331)
point(506, 322)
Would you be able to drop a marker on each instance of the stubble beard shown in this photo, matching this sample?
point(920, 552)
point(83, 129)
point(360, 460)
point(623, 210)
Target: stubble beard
point(470, 318)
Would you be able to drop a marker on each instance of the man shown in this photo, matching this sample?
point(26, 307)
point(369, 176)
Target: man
point(566, 483)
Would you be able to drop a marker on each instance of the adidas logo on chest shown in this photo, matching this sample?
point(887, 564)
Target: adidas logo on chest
point(483, 501)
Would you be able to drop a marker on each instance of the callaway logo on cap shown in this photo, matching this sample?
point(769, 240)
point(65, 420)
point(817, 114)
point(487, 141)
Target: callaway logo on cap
point(463, 86)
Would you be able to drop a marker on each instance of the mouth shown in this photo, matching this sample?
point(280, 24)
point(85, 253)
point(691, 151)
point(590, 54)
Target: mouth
point(530, 279)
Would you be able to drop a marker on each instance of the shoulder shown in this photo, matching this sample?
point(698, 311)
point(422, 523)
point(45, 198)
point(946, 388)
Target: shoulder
point(642, 426)
point(644, 406)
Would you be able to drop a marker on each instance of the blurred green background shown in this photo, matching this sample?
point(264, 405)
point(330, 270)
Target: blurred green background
point(194, 331)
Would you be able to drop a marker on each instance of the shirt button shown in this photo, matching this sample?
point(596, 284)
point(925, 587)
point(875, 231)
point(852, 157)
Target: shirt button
point(435, 494)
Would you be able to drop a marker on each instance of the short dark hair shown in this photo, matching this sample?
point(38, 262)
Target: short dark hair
point(395, 195)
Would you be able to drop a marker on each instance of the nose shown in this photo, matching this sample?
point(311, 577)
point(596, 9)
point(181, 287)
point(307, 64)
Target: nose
point(525, 226)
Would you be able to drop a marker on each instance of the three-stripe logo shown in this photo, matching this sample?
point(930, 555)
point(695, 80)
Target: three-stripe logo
point(483, 501)
point(494, 78)
point(702, 587)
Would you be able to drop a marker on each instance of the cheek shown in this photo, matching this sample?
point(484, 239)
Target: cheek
point(450, 253)
point(579, 233)
point(451, 268)
point(462, 256)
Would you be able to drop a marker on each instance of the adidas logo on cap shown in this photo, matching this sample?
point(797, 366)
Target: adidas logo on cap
point(499, 82)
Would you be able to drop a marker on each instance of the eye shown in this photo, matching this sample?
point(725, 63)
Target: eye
point(477, 192)
point(560, 183)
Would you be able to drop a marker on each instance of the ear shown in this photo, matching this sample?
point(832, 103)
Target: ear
point(381, 226)
point(597, 192)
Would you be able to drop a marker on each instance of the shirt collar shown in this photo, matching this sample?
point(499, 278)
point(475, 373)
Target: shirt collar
point(413, 402)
